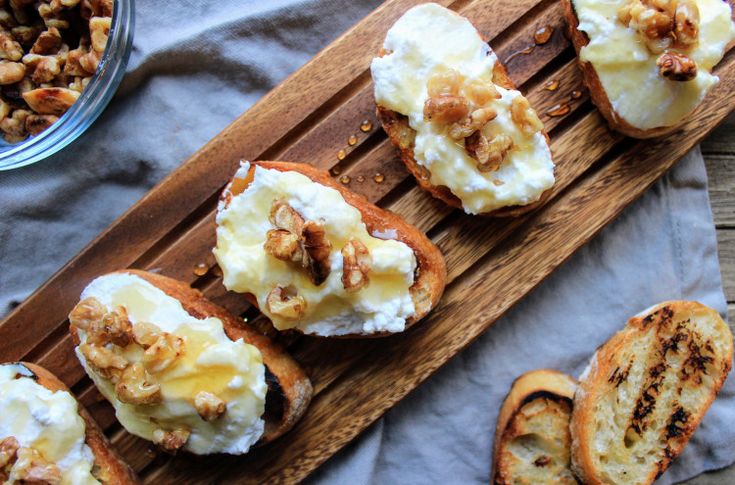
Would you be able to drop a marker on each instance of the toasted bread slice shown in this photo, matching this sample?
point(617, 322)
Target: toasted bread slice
point(598, 94)
point(430, 274)
point(532, 439)
point(402, 136)
point(289, 389)
point(108, 468)
point(646, 391)
point(487, 150)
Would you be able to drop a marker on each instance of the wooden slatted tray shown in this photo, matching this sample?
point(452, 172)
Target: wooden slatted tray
point(309, 118)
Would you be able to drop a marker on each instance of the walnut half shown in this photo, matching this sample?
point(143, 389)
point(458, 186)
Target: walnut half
point(171, 441)
point(356, 262)
point(489, 154)
point(676, 67)
point(209, 406)
point(135, 387)
point(285, 303)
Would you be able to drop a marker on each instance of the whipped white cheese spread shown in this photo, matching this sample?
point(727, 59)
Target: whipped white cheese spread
point(427, 41)
point(233, 371)
point(628, 70)
point(242, 224)
point(45, 421)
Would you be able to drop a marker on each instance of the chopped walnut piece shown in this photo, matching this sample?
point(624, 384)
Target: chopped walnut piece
point(481, 93)
point(99, 30)
point(86, 313)
point(356, 263)
point(318, 247)
point(446, 109)
point(26, 35)
point(663, 24)
point(686, 23)
point(11, 72)
point(115, 328)
point(283, 245)
point(4, 109)
point(146, 334)
point(104, 361)
point(285, 303)
point(159, 356)
point(524, 116)
point(36, 124)
point(52, 17)
point(444, 83)
point(10, 49)
point(135, 387)
point(47, 42)
point(50, 101)
point(32, 467)
point(676, 67)
point(209, 406)
point(14, 126)
point(7, 20)
point(72, 67)
point(8, 451)
point(283, 216)
point(171, 441)
point(489, 154)
point(44, 68)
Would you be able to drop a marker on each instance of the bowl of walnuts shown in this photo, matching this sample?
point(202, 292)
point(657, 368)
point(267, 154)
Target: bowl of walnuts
point(61, 62)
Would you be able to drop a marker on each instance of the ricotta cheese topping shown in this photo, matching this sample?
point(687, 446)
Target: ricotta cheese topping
point(46, 421)
point(242, 224)
point(628, 70)
point(427, 41)
point(210, 362)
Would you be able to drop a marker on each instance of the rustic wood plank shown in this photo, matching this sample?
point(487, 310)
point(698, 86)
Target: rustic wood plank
point(726, 249)
point(721, 176)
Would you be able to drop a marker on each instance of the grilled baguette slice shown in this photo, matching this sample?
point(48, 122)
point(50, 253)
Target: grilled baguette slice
point(402, 136)
point(431, 272)
point(646, 391)
point(532, 440)
point(289, 389)
point(109, 468)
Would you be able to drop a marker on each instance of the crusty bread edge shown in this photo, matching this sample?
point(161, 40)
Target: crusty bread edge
point(431, 267)
point(296, 386)
point(598, 370)
point(594, 85)
point(529, 386)
point(389, 118)
point(116, 472)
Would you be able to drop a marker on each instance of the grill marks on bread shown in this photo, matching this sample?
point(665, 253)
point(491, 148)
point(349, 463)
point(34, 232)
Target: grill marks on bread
point(646, 392)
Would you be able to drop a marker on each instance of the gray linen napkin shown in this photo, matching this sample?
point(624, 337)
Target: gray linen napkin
point(199, 64)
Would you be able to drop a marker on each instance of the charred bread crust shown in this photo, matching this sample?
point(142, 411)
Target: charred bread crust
point(289, 389)
point(594, 85)
point(108, 466)
point(431, 272)
point(604, 371)
point(537, 384)
point(395, 123)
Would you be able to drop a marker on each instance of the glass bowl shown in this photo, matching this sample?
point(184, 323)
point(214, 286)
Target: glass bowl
point(90, 103)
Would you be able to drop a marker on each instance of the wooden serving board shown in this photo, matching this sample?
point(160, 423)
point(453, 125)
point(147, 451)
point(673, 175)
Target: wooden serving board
point(310, 118)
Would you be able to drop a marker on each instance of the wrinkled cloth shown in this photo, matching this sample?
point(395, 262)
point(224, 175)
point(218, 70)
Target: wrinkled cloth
point(195, 67)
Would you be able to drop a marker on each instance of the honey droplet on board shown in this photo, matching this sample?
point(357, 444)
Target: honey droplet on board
point(558, 110)
point(379, 178)
point(360, 179)
point(352, 140)
point(366, 126)
point(335, 171)
point(201, 269)
point(543, 35)
point(576, 94)
point(341, 154)
point(521, 52)
point(345, 179)
point(552, 85)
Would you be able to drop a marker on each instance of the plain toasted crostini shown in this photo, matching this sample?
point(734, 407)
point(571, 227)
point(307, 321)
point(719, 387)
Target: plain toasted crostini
point(319, 259)
point(47, 437)
point(181, 371)
point(532, 439)
point(462, 129)
point(648, 63)
point(646, 390)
